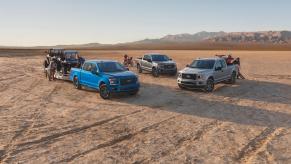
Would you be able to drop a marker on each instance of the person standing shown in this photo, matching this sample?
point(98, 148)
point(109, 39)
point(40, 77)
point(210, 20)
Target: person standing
point(237, 62)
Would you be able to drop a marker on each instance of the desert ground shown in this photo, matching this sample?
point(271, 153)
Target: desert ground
point(52, 122)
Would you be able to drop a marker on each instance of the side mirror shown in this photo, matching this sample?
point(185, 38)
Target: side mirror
point(187, 65)
point(150, 60)
point(95, 72)
point(170, 59)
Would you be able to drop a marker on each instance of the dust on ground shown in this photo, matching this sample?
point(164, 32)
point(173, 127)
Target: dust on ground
point(51, 122)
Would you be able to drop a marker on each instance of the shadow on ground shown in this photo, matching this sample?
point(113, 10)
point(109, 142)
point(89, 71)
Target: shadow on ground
point(191, 103)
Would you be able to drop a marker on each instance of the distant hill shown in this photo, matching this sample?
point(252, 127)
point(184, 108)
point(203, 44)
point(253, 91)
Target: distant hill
point(264, 40)
point(273, 37)
point(200, 36)
point(270, 40)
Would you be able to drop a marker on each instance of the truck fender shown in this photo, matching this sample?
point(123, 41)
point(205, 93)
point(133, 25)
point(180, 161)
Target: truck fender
point(100, 83)
point(210, 77)
point(73, 76)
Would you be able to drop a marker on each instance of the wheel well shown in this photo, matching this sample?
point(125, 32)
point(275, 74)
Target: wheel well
point(211, 77)
point(101, 83)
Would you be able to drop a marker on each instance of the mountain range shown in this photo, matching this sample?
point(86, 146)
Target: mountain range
point(262, 40)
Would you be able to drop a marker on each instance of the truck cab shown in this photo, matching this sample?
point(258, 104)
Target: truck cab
point(205, 73)
point(106, 76)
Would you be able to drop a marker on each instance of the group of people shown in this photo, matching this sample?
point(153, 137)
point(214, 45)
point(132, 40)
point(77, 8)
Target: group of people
point(51, 64)
point(230, 61)
point(55, 65)
point(128, 61)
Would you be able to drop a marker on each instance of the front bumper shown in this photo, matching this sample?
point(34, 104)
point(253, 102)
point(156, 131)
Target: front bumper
point(200, 83)
point(124, 88)
point(163, 70)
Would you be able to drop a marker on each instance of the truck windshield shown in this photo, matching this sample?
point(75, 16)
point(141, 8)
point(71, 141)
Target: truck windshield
point(111, 67)
point(202, 64)
point(160, 58)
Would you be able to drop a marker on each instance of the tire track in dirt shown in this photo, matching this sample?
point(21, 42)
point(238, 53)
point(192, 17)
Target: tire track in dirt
point(287, 77)
point(183, 142)
point(6, 85)
point(116, 140)
point(257, 143)
point(7, 152)
point(13, 77)
point(20, 147)
point(26, 92)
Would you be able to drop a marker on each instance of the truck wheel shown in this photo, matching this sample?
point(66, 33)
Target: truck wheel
point(232, 80)
point(133, 92)
point(139, 68)
point(180, 86)
point(76, 83)
point(209, 85)
point(104, 92)
point(174, 73)
point(155, 72)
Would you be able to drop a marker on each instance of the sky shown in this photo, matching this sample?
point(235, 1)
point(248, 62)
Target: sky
point(53, 22)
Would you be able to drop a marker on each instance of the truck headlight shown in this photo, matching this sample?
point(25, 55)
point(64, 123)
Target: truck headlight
point(113, 81)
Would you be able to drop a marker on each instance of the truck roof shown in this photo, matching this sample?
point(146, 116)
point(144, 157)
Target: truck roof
point(212, 58)
point(70, 51)
point(154, 54)
point(101, 61)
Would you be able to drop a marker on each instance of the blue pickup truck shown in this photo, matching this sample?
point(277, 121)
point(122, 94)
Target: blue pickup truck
point(106, 76)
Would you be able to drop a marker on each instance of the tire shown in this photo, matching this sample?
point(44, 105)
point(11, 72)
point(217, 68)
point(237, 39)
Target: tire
point(155, 72)
point(133, 92)
point(180, 86)
point(139, 68)
point(232, 79)
point(104, 92)
point(209, 85)
point(174, 73)
point(49, 74)
point(76, 83)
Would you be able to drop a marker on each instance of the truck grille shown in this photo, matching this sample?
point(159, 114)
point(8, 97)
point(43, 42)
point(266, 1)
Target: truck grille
point(128, 81)
point(169, 66)
point(189, 76)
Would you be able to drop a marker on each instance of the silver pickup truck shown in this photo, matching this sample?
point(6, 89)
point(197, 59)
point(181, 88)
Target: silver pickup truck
point(156, 64)
point(205, 73)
